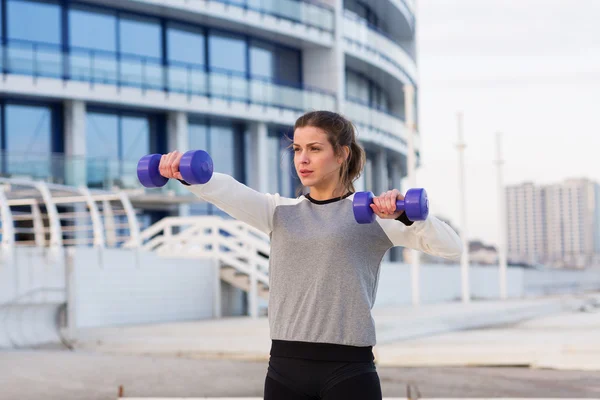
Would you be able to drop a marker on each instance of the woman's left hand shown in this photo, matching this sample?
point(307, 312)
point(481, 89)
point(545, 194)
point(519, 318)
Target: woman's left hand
point(384, 205)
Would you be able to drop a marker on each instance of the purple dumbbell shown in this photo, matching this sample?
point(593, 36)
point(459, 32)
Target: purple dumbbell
point(415, 205)
point(196, 167)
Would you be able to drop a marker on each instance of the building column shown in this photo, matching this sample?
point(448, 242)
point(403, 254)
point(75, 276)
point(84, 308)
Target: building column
point(178, 139)
point(75, 142)
point(381, 182)
point(381, 173)
point(256, 156)
point(177, 132)
point(396, 176)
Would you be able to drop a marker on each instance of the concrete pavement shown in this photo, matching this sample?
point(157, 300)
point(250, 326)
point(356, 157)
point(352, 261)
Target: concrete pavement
point(406, 335)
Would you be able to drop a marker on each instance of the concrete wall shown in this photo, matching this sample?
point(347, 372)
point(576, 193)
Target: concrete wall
point(118, 287)
point(440, 283)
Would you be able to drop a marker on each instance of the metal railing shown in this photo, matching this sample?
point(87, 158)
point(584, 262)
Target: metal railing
point(40, 214)
point(232, 243)
point(149, 73)
point(310, 13)
point(359, 32)
point(389, 124)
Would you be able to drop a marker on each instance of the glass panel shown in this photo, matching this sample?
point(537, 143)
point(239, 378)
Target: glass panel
point(34, 59)
point(140, 36)
point(198, 140)
point(262, 61)
point(185, 45)
point(222, 148)
point(288, 69)
point(135, 137)
point(228, 85)
point(34, 21)
point(92, 29)
point(90, 65)
point(102, 142)
point(274, 165)
point(227, 53)
point(28, 140)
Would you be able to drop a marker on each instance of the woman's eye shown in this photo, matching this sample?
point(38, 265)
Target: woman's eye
point(315, 149)
point(296, 150)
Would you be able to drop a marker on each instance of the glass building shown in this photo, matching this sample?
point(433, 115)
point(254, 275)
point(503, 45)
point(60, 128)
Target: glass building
point(91, 86)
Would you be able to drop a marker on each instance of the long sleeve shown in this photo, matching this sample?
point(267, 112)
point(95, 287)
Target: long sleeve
point(431, 236)
point(240, 201)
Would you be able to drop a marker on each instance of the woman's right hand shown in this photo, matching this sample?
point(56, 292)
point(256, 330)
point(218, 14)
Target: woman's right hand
point(169, 165)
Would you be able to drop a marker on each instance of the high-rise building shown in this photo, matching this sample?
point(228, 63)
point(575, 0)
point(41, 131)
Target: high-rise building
point(525, 207)
point(90, 86)
point(556, 225)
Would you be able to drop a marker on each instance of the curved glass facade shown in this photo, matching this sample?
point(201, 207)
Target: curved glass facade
point(92, 138)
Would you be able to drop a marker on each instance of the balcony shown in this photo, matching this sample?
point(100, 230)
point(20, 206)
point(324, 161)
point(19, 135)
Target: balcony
point(96, 173)
point(408, 8)
point(372, 46)
point(142, 81)
point(378, 126)
point(305, 20)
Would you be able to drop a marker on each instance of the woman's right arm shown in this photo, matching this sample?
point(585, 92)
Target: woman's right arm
point(239, 201)
point(229, 195)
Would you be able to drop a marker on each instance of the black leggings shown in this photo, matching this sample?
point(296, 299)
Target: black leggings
point(300, 379)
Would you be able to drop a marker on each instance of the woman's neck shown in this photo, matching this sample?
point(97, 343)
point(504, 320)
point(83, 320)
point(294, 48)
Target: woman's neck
point(326, 193)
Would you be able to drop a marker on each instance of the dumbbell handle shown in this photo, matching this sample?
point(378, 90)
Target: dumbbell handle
point(399, 205)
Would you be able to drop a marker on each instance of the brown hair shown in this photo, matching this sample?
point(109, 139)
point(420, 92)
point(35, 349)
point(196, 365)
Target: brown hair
point(340, 132)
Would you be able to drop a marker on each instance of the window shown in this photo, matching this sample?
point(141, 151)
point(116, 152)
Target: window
point(222, 140)
point(227, 55)
point(262, 60)
point(28, 140)
point(93, 45)
point(185, 53)
point(282, 175)
point(288, 67)
point(114, 144)
point(34, 38)
point(140, 44)
point(227, 52)
point(34, 21)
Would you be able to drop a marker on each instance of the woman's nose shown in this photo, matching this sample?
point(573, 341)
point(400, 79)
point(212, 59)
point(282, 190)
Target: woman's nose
point(303, 158)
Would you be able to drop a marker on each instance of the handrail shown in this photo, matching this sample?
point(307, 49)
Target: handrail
point(39, 195)
point(149, 73)
point(239, 241)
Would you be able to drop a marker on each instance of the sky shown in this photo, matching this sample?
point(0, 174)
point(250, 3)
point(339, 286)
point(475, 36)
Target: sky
point(529, 69)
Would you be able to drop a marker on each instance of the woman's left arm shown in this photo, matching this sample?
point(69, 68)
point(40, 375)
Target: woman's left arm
point(432, 236)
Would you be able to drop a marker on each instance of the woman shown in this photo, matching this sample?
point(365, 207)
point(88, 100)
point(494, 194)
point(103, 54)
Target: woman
point(324, 266)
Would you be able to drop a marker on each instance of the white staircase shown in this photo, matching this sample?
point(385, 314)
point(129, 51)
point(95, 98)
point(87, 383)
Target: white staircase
point(241, 250)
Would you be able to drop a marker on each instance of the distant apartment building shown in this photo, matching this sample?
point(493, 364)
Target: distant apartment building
point(556, 225)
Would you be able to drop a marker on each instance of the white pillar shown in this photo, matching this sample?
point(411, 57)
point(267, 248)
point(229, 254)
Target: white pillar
point(256, 157)
point(177, 132)
point(409, 103)
point(75, 142)
point(178, 139)
point(325, 67)
point(381, 172)
point(501, 218)
point(381, 181)
point(396, 177)
point(464, 260)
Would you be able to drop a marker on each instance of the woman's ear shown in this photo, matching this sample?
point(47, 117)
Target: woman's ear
point(345, 154)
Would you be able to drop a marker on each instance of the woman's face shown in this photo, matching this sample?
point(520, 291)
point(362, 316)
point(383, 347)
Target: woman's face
point(314, 158)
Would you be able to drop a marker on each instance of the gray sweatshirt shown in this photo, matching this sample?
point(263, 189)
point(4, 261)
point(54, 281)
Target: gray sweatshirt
point(324, 266)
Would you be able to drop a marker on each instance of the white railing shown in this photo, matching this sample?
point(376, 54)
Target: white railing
point(230, 242)
point(358, 32)
point(376, 119)
point(41, 214)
